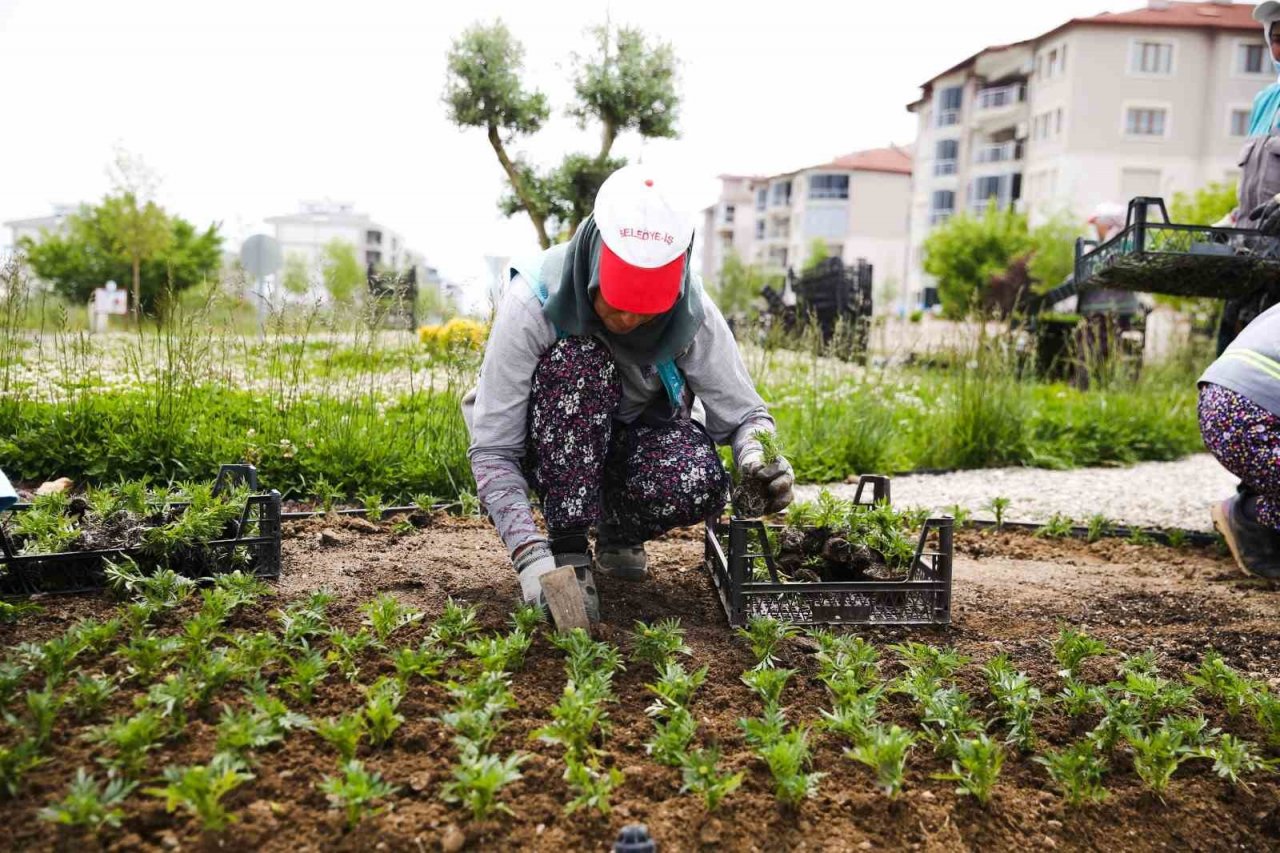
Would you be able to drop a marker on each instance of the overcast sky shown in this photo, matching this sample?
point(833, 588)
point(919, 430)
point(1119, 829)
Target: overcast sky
point(246, 107)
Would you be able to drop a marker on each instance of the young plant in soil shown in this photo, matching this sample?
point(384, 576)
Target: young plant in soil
point(703, 777)
point(456, 624)
point(386, 615)
point(374, 506)
point(306, 672)
point(304, 621)
point(1072, 648)
point(788, 757)
point(948, 720)
point(199, 789)
point(1233, 758)
point(346, 650)
point(381, 711)
point(1266, 710)
point(938, 663)
point(477, 780)
point(15, 762)
point(1017, 698)
point(343, 733)
point(998, 507)
point(976, 767)
point(90, 694)
point(659, 643)
point(766, 636)
point(885, 751)
point(357, 791)
point(1078, 771)
point(130, 739)
point(1157, 754)
point(1215, 679)
point(675, 688)
point(1057, 527)
point(90, 804)
point(1097, 527)
point(425, 662)
point(1078, 698)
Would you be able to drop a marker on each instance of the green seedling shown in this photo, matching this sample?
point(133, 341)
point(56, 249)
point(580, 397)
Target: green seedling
point(478, 779)
point(1176, 537)
point(1072, 648)
point(164, 589)
point(1144, 663)
point(1058, 526)
point(1157, 754)
point(1078, 698)
point(475, 726)
point(960, 515)
point(326, 494)
point(936, 662)
point(211, 673)
point(703, 777)
point(386, 615)
point(947, 719)
point(1097, 526)
point(130, 739)
point(306, 672)
point(1154, 696)
point(766, 636)
point(241, 731)
point(998, 507)
point(593, 785)
point(1215, 679)
point(12, 674)
point(381, 713)
point(206, 517)
point(95, 636)
point(1017, 698)
point(46, 528)
point(788, 757)
point(527, 618)
point(343, 733)
point(761, 732)
point(1233, 758)
point(402, 527)
point(301, 622)
point(1120, 714)
point(469, 504)
point(672, 735)
point(848, 657)
point(1138, 536)
point(55, 657)
point(768, 684)
point(885, 751)
point(12, 611)
point(425, 662)
point(89, 804)
point(199, 789)
point(919, 684)
point(574, 719)
point(1078, 771)
point(357, 791)
point(853, 714)
point(15, 762)
point(976, 767)
point(1266, 710)
point(456, 624)
point(346, 650)
point(373, 507)
point(659, 643)
point(90, 694)
point(171, 698)
point(245, 589)
point(770, 445)
point(42, 714)
point(254, 652)
point(674, 688)
point(1194, 732)
point(587, 658)
point(276, 712)
point(427, 502)
point(500, 653)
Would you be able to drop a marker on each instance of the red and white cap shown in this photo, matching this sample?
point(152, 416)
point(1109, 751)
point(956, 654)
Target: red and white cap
point(645, 239)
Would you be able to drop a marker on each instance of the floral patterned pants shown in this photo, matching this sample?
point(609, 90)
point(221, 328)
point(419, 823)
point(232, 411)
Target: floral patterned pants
point(589, 468)
point(1245, 438)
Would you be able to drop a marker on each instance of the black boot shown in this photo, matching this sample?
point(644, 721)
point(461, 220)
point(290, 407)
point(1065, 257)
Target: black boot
point(1255, 546)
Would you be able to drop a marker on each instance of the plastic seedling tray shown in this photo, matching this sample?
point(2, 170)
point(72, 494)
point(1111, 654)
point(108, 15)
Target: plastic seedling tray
point(250, 543)
point(736, 549)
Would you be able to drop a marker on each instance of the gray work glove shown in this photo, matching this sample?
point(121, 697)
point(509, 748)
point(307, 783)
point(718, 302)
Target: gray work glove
point(1267, 215)
point(777, 478)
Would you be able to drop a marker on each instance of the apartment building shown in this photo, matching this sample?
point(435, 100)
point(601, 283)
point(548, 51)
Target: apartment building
point(1151, 101)
point(858, 204)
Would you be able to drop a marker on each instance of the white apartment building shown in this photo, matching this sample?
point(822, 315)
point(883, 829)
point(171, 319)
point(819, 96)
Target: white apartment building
point(858, 204)
point(318, 223)
point(36, 226)
point(1146, 102)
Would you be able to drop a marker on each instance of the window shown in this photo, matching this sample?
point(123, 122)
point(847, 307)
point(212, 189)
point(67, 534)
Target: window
point(373, 257)
point(946, 153)
point(759, 229)
point(941, 206)
point(1152, 57)
point(1047, 125)
point(1004, 189)
point(1251, 59)
point(1240, 122)
point(1145, 121)
point(728, 214)
point(762, 198)
point(828, 186)
point(949, 102)
point(1057, 122)
point(781, 194)
point(995, 97)
point(1053, 65)
point(373, 237)
point(998, 152)
point(778, 257)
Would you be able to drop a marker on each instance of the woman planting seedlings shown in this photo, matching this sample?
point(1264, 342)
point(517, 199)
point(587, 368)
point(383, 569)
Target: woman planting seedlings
point(601, 350)
point(1240, 422)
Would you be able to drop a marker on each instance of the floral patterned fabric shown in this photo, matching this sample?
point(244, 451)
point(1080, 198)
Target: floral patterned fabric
point(587, 467)
point(1245, 438)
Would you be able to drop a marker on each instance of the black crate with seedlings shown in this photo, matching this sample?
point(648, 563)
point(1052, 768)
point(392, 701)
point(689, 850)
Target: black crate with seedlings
point(63, 542)
point(853, 562)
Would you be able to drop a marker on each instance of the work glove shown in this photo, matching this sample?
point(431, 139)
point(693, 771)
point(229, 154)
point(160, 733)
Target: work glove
point(1267, 215)
point(776, 478)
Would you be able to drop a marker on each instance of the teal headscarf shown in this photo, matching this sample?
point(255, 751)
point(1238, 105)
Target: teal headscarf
point(570, 306)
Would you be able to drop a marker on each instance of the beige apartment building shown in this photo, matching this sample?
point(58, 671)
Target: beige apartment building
point(858, 204)
point(1146, 102)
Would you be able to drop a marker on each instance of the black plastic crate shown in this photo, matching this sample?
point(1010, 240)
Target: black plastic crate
point(251, 544)
point(922, 597)
point(1153, 256)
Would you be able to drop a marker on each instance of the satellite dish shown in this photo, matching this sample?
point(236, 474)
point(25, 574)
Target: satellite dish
point(260, 255)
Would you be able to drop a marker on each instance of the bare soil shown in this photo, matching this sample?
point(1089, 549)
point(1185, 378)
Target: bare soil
point(1012, 592)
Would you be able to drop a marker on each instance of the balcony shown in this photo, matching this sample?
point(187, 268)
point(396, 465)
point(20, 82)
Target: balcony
point(942, 168)
point(937, 217)
point(1001, 97)
point(998, 152)
point(1000, 107)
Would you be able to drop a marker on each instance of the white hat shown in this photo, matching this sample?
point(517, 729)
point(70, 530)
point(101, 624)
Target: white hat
point(645, 238)
point(1109, 213)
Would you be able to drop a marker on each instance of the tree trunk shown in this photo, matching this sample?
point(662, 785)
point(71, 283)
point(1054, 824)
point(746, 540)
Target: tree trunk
point(137, 291)
point(513, 175)
point(607, 136)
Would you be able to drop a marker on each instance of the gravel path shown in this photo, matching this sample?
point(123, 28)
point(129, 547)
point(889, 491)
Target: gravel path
point(1156, 494)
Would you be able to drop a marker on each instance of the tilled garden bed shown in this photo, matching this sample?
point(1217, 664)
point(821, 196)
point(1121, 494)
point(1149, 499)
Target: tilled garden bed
point(1012, 595)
